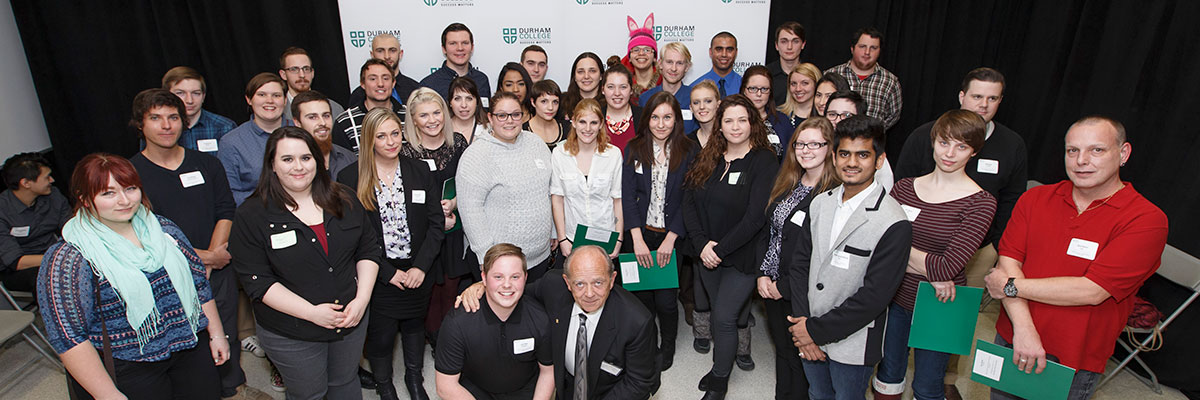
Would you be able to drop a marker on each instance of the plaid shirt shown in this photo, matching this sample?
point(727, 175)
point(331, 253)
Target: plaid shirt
point(210, 126)
point(881, 89)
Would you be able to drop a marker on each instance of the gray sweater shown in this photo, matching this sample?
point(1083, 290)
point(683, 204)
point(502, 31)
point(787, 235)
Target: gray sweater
point(504, 195)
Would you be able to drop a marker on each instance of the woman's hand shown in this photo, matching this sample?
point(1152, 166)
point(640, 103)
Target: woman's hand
point(709, 257)
point(414, 277)
point(219, 345)
point(326, 315)
point(451, 219)
point(664, 253)
point(398, 279)
point(642, 252)
point(353, 314)
point(767, 289)
point(564, 247)
point(945, 290)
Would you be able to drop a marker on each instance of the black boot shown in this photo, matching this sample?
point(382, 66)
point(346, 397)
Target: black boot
point(365, 379)
point(413, 345)
point(717, 387)
point(382, 371)
point(668, 356)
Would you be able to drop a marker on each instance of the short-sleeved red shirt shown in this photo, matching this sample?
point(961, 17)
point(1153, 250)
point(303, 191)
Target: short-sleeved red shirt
point(1130, 233)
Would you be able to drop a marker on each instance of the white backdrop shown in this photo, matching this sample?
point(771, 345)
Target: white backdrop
point(565, 28)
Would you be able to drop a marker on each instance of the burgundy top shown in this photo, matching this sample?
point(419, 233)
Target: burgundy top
point(622, 138)
point(949, 232)
point(319, 230)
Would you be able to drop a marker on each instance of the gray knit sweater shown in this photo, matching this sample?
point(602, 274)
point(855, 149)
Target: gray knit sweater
point(504, 195)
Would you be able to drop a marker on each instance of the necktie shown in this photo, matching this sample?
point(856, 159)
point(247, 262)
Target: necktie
point(721, 83)
point(581, 359)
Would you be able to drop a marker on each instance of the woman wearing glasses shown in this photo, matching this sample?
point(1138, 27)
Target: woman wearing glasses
point(807, 170)
point(756, 86)
point(503, 184)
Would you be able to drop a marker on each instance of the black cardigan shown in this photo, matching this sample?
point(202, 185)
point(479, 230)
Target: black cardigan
point(732, 215)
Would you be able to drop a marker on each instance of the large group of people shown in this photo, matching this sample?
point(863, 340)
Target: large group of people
point(446, 214)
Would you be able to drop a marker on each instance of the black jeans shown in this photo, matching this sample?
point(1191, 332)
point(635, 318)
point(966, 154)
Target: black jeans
point(790, 382)
point(660, 302)
point(728, 293)
point(187, 374)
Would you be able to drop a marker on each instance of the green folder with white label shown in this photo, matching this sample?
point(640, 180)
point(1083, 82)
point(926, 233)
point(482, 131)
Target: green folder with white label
point(586, 235)
point(946, 327)
point(635, 277)
point(993, 366)
point(448, 193)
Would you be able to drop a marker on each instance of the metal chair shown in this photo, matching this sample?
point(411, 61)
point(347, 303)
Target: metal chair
point(13, 323)
point(1183, 269)
point(30, 306)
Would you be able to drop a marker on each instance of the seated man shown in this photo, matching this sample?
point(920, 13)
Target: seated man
point(32, 213)
point(471, 362)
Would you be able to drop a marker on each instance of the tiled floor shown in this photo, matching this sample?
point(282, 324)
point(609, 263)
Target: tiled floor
point(679, 382)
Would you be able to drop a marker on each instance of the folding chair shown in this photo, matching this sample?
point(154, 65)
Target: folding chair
point(31, 306)
point(1178, 267)
point(12, 323)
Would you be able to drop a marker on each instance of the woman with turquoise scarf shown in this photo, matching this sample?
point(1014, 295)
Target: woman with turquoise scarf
point(124, 297)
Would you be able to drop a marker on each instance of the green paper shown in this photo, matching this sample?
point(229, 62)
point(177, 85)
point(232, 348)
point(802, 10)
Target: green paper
point(586, 235)
point(1052, 384)
point(946, 327)
point(448, 189)
point(635, 277)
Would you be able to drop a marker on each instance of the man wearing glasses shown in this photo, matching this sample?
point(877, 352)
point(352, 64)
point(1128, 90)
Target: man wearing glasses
point(846, 104)
point(296, 69)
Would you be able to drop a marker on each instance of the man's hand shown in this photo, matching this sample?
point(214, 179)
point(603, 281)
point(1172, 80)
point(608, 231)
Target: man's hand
point(799, 331)
point(945, 290)
point(469, 299)
point(1028, 353)
point(995, 281)
point(811, 352)
point(216, 258)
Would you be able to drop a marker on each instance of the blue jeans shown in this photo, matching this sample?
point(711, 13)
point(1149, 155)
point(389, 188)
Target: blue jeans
point(1083, 385)
point(929, 367)
point(832, 380)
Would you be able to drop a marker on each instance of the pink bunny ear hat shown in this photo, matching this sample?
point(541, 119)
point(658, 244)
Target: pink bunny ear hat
point(643, 36)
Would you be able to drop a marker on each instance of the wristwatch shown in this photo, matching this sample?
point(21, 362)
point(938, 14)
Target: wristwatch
point(1010, 289)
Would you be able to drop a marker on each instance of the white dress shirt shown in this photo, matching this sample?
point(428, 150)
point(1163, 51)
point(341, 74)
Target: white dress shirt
point(593, 319)
point(587, 195)
point(845, 208)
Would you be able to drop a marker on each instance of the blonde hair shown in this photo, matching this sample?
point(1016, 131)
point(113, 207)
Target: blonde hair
point(412, 133)
point(790, 106)
point(368, 182)
point(677, 46)
point(571, 145)
point(790, 170)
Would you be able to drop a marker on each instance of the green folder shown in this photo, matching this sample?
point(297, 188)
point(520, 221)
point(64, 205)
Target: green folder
point(635, 277)
point(993, 366)
point(946, 327)
point(449, 192)
point(586, 235)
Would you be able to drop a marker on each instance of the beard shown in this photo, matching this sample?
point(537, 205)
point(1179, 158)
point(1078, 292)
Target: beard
point(326, 144)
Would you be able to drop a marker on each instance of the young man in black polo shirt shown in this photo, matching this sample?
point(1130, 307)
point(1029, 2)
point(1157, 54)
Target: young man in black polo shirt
point(504, 350)
point(189, 188)
point(32, 213)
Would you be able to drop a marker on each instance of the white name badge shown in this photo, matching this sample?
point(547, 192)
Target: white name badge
point(773, 138)
point(283, 240)
point(637, 169)
point(522, 346)
point(687, 115)
point(840, 259)
point(418, 197)
point(432, 165)
point(1084, 249)
point(540, 164)
point(733, 177)
point(910, 212)
point(191, 179)
point(609, 368)
point(483, 101)
point(798, 218)
point(19, 231)
point(988, 166)
point(206, 145)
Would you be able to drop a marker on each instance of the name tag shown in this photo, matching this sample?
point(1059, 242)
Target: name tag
point(840, 259)
point(609, 368)
point(418, 197)
point(911, 212)
point(733, 177)
point(191, 179)
point(540, 164)
point(483, 101)
point(522, 346)
point(283, 240)
point(687, 115)
point(773, 138)
point(206, 145)
point(988, 166)
point(19, 231)
point(798, 218)
point(432, 165)
point(1084, 249)
point(637, 169)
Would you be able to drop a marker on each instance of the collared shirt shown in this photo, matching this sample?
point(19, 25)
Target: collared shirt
point(440, 80)
point(207, 131)
point(587, 195)
point(334, 108)
point(1116, 243)
point(241, 153)
point(497, 356)
point(732, 84)
point(846, 208)
point(30, 230)
point(881, 90)
point(593, 320)
point(339, 158)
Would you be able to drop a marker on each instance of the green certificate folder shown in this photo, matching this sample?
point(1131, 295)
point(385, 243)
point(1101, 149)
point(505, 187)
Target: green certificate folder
point(634, 277)
point(945, 327)
point(586, 235)
point(449, 192)
point(993, 366)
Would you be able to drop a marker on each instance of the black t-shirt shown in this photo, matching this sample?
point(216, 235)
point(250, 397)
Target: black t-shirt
point(194, 196)
point(497, 356)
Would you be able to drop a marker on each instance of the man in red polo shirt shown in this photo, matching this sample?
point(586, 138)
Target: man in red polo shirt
point(1072, 257)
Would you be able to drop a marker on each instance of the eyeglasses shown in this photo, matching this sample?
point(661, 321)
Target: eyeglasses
point(809, 145)
point(641, 50)
point(510, 116)
point(757, 89)
point(295, 70)
point(839, 115)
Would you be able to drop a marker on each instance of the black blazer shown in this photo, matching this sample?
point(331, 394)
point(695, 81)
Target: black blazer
point(425, 221)
point(635, 192)
point(791, 236)
point(270, 245)
point(625, 337)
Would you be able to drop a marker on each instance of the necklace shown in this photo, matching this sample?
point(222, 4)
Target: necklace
point(1106, 199)
point(617, 127)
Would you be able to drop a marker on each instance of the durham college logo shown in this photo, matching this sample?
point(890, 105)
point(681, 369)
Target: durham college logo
point(675, 33)
point(358, 38)
point(581, 2)
point(526, 35)
point(432, 3)
point(510, 35)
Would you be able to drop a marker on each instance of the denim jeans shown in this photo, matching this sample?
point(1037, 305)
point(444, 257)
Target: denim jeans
point(929, 367)
point(832, 380)
point(1083, 386)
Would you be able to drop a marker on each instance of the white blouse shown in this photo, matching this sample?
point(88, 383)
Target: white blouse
point(587, 195)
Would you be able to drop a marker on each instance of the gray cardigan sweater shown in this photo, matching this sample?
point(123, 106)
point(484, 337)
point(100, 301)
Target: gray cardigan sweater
point(504, 195)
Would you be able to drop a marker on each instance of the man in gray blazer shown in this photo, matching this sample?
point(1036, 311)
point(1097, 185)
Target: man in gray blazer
point(847, 267)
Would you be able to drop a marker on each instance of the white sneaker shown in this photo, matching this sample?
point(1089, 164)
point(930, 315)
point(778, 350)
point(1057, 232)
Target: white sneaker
point(250, 344)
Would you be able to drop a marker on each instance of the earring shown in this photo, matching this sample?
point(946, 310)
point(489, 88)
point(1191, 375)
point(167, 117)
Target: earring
point(1122, 164)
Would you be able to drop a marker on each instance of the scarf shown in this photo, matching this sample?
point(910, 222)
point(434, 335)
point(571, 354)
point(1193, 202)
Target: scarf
point(125, 266)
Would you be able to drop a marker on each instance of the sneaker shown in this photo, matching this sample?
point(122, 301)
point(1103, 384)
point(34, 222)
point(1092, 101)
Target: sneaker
point(250, 344)
point(277, 380)
point(745, 362)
